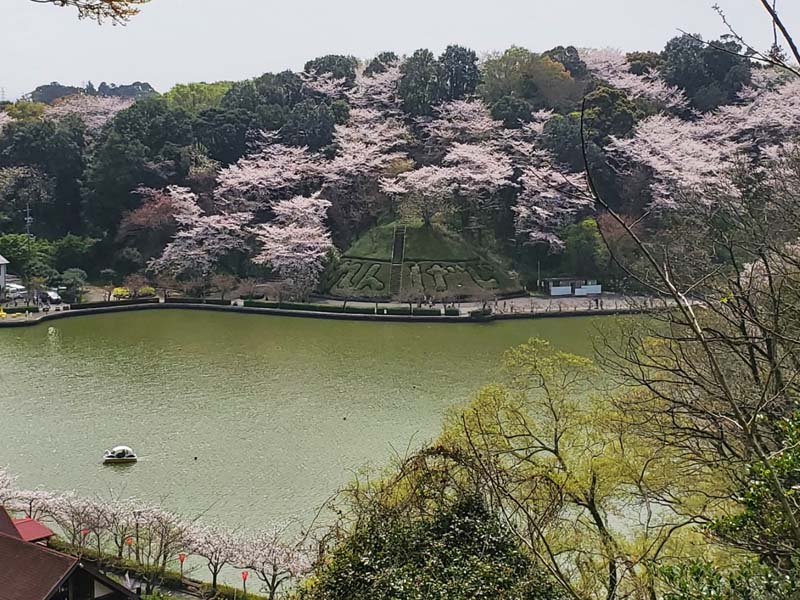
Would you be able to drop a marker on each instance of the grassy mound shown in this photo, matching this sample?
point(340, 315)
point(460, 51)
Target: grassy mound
point(422, 243)
point(436, 262)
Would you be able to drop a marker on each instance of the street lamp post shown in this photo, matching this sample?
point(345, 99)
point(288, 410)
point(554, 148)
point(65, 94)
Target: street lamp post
point(84, 533)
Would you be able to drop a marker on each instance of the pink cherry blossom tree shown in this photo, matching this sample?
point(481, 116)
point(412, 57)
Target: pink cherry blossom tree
point(72, 514)
point(217, 545)
point(324, 85)
point(690, 156)
point(296, 244)
point(5, 120)
point(478, 170)
point(272, 172)
point(120, 523)
point(274, 561)
point(378, 91)
point(162, 212)
point(368, 146)
point(468, 178)
point(423, 192)
point(8, 487)
point(548, 201)
point(95, 111)
point(611, 65)
point(159, 536)
point(197, 248)
point(365, 147)
point(464, 121)
point(34, 504)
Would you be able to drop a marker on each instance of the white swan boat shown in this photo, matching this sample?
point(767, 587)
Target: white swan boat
point(118, 455)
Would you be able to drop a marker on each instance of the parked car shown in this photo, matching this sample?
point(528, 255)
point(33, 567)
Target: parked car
point(50, 297)
point(14, 291)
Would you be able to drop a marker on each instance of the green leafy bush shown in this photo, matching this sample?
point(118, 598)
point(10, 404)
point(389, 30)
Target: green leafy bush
point(310, 307)
point(702, 580)
point(427, 312)
point(132, 302)
point(215, 301)
point(260, 304)
point(459, 553)
point(295, 306)
point(452, 312)
point(357, 310)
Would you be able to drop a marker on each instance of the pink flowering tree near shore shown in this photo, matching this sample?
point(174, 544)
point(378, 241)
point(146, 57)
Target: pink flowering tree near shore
point(218, 546)
point(274, 561)
point(296, 243)
point(152, 538)
point(202, 239)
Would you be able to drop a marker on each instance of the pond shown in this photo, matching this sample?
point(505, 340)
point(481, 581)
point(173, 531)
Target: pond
point(246, 419)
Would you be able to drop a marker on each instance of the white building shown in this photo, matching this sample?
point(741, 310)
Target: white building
point(3, 264)
point(573, 286)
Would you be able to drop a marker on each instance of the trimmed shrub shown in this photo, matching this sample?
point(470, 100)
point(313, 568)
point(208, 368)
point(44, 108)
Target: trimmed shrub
point(121, 293)
point(114, 303)
point(294, 306)
point(215, 301)
point(260, 304)
point(15, 310)
point(309, 307)
point(480, 314)
point(357, 310)
point(452, 312)
point(147, 291)
point(427, 312)
point(395, 311)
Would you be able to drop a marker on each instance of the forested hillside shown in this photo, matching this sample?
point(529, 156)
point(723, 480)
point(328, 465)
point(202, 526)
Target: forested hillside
point(284, 172)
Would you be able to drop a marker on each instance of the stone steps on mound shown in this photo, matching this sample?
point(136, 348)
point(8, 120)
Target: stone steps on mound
point(398, 251)
point(398, 245)
point(395, 279)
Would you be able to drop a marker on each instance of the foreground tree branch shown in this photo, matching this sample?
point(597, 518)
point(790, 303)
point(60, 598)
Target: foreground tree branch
point(698, 349)
point(784, 31)
point(118, 11)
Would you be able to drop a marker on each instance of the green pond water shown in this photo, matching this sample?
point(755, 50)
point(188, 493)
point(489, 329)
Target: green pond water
point(278, 411)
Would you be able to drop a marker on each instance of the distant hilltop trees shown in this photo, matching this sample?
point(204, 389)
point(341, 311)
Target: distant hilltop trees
point(51, 92)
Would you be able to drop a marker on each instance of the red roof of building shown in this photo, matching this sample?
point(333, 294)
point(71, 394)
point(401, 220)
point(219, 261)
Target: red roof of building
point(32, 530)
point(7, 526)
point(34, 572)
point(30, 571)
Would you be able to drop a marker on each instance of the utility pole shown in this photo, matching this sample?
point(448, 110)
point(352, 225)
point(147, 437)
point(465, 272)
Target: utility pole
point(28, 218)
point(28, 221)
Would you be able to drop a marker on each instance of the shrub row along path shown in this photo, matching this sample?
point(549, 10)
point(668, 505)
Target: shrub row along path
point(521, 306)
point(532, 304)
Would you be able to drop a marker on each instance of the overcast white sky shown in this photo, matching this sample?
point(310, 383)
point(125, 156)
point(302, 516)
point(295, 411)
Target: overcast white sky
point(205, 40)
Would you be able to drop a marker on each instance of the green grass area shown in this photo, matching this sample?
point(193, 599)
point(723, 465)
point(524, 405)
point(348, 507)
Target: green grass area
point(375, 244)
point(422, 243)
point(433, 243)
point(436, 263)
